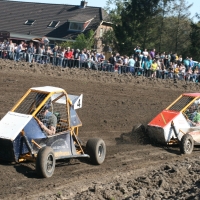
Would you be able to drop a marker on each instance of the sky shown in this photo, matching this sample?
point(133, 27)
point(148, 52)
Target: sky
point(102, 3)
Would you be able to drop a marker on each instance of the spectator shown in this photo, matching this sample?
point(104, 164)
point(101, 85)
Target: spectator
point(30, 52)
point(55, 55)
point(173, 58)
point(131, 65)
point(195, 74)
point(43, 54)
point(83, 59)
point(76, 58)
point(153, 68)
point(118, 65)
point(61, 57)
point(180, 59)
point(137, 50)
point(111, 62)
point(146, 66)
point(138, 69)
point(10, 49)
point(153, 53)
point(18, 51)
point(101, 57)
point(49, 54)
point(38, 53)
point(158, 70)
point(145, 54)
point(182, 71)
point(68, 57)
point(191, 63)
point(162, 69)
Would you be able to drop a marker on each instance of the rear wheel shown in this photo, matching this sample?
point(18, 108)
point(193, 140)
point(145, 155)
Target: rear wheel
point(96, 149)
point(186, 144)
point(45, 162)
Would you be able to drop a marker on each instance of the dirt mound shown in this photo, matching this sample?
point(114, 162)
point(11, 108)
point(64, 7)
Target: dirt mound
point(177, 180)
point(99, 76)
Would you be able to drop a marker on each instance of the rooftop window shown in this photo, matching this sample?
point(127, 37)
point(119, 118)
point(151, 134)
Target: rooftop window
point(53, 24)
point(79, 26)
point(29, 22)
point(76, 26)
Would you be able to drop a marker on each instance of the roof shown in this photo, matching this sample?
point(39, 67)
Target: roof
point(13, 15)
point(192, 94)
point(48, 89)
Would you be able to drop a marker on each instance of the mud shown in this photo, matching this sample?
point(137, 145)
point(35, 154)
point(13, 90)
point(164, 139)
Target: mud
point(113, 108)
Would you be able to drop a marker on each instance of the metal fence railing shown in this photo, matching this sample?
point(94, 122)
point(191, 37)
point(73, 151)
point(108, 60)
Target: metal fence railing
point(100, 66)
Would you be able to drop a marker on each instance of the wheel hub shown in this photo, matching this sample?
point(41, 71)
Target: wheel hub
point(49, 163)
point(188, 145)
point(100, 150)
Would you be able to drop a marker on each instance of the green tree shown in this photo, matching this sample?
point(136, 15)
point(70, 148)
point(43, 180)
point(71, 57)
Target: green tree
point(82, 41)
point(109, 40)
point(195, 40)
point(181, 24)
point(66, 44)
point(85, 40)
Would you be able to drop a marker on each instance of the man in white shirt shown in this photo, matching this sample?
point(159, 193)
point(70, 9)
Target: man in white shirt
point(10, 49)
point(18, 50)
point(145, 53)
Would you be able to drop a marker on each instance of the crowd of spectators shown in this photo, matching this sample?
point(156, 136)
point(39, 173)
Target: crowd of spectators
point(140, 63)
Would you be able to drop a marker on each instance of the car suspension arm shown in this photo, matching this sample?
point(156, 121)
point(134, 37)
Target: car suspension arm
point(174, 129)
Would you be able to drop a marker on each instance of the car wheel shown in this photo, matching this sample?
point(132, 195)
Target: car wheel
point(96, 149)
point(45, 162)
point(186, 144)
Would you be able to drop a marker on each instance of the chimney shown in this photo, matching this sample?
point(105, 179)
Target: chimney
point(83, 4)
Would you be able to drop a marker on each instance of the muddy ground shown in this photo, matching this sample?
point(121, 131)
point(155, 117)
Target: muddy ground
point(113, 105)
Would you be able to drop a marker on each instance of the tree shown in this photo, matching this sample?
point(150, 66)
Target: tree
point(109, 40)
point(66, 44)
point(195, 40)
point(135, 23)
point(160, 24)
point(84, 41)
point(181, 28)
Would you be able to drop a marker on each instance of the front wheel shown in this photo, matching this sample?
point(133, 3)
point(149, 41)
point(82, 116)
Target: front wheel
point(45, 162)
point(186, 144)
point(96, 149)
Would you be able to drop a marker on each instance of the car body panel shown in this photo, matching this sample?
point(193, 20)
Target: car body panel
point(160, 128)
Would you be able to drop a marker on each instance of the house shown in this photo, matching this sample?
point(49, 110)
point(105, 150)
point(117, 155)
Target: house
point(58, 22)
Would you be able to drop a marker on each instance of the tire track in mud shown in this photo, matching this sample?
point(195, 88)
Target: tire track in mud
point(110, 110)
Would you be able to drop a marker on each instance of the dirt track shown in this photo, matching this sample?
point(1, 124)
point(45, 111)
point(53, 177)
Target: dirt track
point(112, 105)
